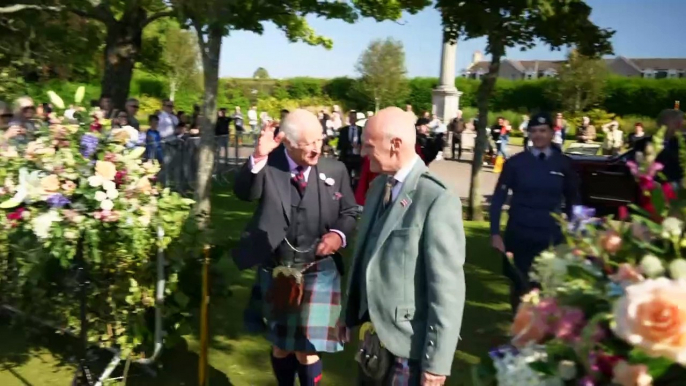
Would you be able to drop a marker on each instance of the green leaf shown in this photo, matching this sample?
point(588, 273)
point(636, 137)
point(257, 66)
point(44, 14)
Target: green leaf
point(578, 272)
point(56, 100)
point(656, 365)
point(542, 367)
point(80, 93)
point(9, 204)
point(135, 153)
point(657, 197)
point(181, 299)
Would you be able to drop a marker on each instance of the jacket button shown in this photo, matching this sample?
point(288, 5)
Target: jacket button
point(431, 328)
point(431, 343)
point(427, 356)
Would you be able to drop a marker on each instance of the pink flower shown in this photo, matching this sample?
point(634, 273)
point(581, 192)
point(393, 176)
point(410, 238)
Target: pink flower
point(604, 363)
point(626, 274)
point(569, 326)
point(623, 213)
point(16, 215)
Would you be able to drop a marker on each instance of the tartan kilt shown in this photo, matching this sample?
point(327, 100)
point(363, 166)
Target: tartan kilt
point(401, 372)
point(312, 328)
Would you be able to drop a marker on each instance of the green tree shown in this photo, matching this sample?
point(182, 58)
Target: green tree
point(383, 75)
point(581, 82)
point(182, 59)
point(260, 73)
point(124, 22)
point(512, 23)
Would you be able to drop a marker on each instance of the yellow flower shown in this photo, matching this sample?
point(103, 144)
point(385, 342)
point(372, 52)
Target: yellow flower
point(106, 170)
point(143, 185)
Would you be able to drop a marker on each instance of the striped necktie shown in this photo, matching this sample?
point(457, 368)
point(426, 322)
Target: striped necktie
point(388, 191)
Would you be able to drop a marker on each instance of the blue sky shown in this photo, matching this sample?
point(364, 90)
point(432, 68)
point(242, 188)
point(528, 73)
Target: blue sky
point(645, 28)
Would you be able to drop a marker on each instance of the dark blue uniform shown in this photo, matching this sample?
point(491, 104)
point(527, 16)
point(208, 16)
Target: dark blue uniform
point(540, 181)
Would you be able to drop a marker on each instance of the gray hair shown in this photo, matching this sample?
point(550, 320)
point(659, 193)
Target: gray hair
point(290, 130)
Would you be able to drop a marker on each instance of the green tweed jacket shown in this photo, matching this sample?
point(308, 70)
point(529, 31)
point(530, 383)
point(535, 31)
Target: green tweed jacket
point(412, 263)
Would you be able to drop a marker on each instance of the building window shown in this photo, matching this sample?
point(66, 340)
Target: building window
point(649, 73)
point(660, 74)
point(672, 74)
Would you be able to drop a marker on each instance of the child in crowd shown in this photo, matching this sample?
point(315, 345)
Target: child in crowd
point(153, 140)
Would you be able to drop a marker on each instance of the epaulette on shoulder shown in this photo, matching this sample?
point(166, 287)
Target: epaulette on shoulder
point(433, 178)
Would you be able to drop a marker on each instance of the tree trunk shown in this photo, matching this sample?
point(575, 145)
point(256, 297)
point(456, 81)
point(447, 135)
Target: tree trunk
point(122, 46)
point(210, 62)
point(497, 50)
point(172, 90)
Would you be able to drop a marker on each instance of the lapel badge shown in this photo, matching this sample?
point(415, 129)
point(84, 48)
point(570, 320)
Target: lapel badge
point(404, 202)
point(329, 181)
point(322, 176)
point(337, 196)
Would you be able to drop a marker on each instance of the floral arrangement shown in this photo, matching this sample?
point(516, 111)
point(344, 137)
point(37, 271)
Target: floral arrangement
point(611, 307)
point(81, 188)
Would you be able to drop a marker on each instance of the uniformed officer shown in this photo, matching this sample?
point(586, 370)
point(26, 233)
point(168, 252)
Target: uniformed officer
point(539, 179)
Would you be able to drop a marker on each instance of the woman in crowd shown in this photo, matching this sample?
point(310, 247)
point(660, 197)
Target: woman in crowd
point(539, 180)
point(586, 132)
point(120, 120)
point(638, 139)
point(614, 138)
point(525, 135)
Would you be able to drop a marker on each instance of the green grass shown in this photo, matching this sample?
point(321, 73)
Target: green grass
point(240, 359)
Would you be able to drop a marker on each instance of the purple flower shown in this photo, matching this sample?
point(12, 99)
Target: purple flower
point(89, 144)
point(581, 216)
point(58, 201)
point(587, 381)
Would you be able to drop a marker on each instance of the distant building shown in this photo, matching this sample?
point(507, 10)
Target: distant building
point(656, 68)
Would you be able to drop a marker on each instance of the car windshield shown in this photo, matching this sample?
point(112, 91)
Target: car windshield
point(583, 149)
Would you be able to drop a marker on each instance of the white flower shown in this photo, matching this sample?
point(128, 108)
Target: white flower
point(322, 176)
point(567, 370)
point(672, 227)
point(677, 269)
point(112, 194)
point(41, 225)
point(109, 185)
point(329, 181)
point(651, 266)
point(70, 235)
point(100, 195)
point(107, 205)
point(95, 181)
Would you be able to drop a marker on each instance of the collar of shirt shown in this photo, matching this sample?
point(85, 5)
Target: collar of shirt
point(536, 152)
point(292, 166)
point(401, 175)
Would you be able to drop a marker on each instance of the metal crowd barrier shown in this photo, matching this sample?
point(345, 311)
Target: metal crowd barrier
point(178, 158)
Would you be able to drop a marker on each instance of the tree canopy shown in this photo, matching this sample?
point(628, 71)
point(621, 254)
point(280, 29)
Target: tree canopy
point(383, 73)
point(581, 82)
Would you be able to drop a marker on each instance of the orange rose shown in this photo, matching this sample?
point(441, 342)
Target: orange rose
point(652, 315)
point(631, 375)
point(50, 184)
point(106, 170)
point(528, 326)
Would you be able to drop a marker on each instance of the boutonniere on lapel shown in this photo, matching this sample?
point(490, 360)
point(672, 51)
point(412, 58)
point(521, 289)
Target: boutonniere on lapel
point(337, 196)
point(329, 181)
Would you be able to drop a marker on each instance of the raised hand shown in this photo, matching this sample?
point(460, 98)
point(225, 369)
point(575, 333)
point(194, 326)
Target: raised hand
point(267, 142)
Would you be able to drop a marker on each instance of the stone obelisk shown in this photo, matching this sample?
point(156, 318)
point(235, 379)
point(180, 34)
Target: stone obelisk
point(446, 98)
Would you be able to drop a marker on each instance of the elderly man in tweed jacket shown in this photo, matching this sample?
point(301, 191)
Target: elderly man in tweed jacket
point(307, 212)
point(407, 287)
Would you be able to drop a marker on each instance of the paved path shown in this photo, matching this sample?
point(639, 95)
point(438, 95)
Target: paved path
point(456, 174)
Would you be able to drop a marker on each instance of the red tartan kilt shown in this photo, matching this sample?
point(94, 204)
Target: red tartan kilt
point(311, 328)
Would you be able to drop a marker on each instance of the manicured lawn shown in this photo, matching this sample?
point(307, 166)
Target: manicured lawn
point(237, 358)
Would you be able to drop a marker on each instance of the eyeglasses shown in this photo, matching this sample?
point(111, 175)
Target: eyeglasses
point(122, 117)
point(135, 106)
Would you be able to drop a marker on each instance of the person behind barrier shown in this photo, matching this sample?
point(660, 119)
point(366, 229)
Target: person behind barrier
point(406, 290)
point(539, 180)
point(306, 214)
point(153, 140)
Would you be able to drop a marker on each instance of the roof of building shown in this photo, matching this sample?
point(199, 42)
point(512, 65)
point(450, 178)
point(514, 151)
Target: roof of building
point(543, 65)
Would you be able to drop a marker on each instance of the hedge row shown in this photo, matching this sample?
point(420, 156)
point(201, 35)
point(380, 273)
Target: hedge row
point(623, 96)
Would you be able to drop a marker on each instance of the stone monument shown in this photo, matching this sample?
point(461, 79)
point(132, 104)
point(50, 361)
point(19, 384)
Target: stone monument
point(446, 98)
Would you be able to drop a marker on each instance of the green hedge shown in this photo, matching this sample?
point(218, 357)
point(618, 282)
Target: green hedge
point(623, 96)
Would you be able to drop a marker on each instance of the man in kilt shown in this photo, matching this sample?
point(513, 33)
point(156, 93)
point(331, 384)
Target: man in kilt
point(306, 213)
point(406, 289)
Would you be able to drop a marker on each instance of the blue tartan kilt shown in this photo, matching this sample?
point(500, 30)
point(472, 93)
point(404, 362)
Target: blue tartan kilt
point(310, 329)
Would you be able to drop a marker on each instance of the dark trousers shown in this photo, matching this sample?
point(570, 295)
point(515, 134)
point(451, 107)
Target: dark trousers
point(457, 142)
point(526, 143)
point(354, 165)
point(524, 251)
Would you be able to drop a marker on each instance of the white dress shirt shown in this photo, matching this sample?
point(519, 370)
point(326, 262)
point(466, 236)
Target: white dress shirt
point(168, 123)
point(401, 175)
point(353, 139)
point(257, 167)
